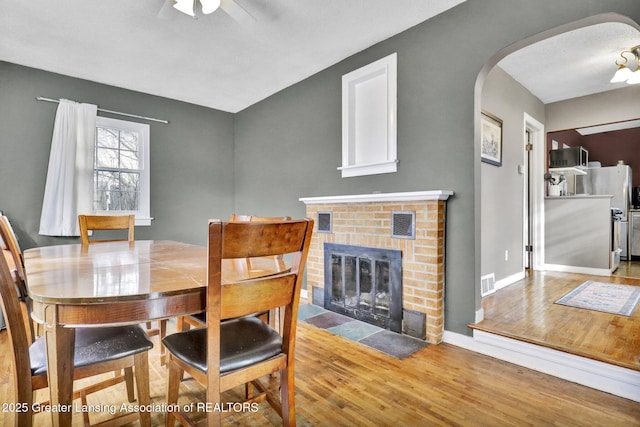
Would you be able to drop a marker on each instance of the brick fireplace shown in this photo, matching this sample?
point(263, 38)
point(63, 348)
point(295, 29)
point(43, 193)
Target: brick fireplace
point(410, 222)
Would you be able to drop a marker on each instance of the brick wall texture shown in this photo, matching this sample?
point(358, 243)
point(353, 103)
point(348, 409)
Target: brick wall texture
point(369, 224)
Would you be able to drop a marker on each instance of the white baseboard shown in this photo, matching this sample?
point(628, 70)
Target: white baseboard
point(479, 316)
point(509, 280)
point(591, 373)
point(580, 270)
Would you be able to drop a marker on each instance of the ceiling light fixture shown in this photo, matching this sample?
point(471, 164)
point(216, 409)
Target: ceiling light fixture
point(188, 6)
point(624, 73)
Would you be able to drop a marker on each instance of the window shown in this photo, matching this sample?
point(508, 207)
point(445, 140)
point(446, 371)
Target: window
point(369, 119)
point(121, 169)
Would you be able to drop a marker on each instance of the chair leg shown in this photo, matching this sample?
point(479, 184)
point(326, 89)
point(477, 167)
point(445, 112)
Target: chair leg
point(182, 325)
point(128, 379)
point(287, 397)
point(24, 397)
point(174, 376)
point(141, 362)
point(162, 324)
point(249, 390)
point(85, 414)
point(214, 418)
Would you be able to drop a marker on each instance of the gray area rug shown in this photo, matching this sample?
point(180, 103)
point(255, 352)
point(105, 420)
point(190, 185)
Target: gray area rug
point(606, 297)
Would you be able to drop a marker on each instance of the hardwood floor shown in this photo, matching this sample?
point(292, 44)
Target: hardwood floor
point(342, 383)
point(526, 311)
point(629, 269)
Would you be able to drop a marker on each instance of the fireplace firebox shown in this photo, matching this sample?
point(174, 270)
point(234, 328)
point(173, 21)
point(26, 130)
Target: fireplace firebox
point(364, 283)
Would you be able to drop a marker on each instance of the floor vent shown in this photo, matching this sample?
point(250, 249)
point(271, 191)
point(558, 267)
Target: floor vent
point(487, 284)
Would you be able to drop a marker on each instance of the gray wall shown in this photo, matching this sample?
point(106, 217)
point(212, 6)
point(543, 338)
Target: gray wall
point(191, 157)
point(288, 146)
point(503, 187)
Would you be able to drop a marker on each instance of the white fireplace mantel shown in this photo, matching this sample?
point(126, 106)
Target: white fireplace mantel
point(380, 197)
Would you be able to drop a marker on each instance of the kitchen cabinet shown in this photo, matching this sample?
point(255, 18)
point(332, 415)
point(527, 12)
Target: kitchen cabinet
point(634, 233)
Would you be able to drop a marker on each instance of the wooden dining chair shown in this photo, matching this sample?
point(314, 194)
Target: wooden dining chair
point(236, 348)
point(97, 351)
point(106, 222)
point(13, 255)
point(199, 320)
point(117, 222)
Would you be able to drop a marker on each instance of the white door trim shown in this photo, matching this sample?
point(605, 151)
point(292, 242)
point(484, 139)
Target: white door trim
point(536, 171)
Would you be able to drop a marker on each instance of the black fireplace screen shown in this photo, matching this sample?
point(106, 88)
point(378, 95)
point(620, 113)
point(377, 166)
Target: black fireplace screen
point(364, 283)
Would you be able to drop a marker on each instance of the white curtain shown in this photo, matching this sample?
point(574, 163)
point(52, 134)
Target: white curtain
point(68, 190)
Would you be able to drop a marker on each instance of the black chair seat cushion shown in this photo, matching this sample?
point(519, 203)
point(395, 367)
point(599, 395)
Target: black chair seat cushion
point(202, 316)
point(244, 342)
point(95, 345)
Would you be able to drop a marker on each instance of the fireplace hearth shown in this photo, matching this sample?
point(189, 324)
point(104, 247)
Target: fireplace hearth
point(365, 284)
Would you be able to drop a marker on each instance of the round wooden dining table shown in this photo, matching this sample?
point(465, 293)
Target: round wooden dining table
point(116, 283)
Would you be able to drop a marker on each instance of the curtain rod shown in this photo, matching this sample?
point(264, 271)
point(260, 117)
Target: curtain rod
point(40, 98)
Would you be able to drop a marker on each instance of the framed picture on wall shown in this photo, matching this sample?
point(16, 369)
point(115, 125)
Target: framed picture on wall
point(491, 139)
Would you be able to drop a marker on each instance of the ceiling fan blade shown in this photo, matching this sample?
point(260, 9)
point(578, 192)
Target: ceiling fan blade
point(237, 12)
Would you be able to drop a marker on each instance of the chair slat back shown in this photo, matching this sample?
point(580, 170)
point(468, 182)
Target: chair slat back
point(105, 222)
point(11, 243)
point(262, 239)
point(17, 331)
point(257, 295)
point(255, 239)
point(255, 218)
point(278, 259)
point(241, 218)
point(6, 233)
point(13, 257)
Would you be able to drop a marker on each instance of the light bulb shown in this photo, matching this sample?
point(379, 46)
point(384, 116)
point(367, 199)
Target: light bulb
point(634, 79)
point(185, 6)
point(209, 6)
point(621, 75)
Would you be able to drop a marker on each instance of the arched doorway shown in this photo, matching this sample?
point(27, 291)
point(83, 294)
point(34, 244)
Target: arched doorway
point(502, 254)
point(530, 331)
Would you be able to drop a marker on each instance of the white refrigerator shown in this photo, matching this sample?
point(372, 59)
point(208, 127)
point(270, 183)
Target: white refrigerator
point(616, 181)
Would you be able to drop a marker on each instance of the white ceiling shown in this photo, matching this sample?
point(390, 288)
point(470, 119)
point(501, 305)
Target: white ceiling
point(215, 60)
point(573, 64)
point(222, 62)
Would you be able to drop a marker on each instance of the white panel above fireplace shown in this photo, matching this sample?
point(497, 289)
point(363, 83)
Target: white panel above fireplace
point(369, 130)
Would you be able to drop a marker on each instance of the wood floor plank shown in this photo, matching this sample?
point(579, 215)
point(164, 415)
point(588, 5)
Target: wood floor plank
point(526, 311)
point(342, 383)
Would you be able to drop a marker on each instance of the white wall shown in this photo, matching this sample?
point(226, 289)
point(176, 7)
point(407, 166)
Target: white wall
point(600, 108)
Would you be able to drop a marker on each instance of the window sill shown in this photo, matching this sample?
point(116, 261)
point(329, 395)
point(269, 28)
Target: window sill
point(143, 221)
point(370, 169)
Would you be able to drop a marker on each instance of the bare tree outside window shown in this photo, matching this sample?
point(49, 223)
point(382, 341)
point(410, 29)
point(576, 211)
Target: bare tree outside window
point(116, 170)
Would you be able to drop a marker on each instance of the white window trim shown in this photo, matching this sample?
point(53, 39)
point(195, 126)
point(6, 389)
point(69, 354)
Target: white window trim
point(386, 91)
point(143, 214)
